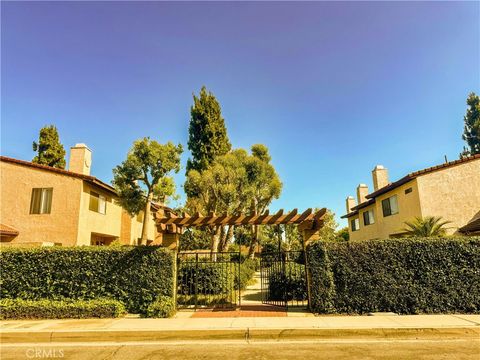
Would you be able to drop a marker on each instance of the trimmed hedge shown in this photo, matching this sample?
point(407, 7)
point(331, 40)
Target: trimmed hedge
point(135, 276)
point(163, 307)
point(60, 309)
point(406, 276)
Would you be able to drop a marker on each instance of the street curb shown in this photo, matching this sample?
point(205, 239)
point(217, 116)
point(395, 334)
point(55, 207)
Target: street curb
point(18, 337)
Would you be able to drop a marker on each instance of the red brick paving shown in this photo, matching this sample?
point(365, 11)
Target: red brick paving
point(244, 311)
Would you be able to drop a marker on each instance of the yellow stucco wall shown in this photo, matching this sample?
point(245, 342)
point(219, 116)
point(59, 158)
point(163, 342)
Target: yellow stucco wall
point(60, 226)
point(453, 194)
point(384, 227)
point(108, 224)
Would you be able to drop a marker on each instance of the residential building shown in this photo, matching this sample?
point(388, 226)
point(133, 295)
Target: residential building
point(450, 190)
point(42, 205)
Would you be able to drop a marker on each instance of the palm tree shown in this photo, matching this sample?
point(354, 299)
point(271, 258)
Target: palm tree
point(429, 226)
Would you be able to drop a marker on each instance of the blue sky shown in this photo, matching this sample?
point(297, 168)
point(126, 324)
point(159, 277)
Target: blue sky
point(332, 88)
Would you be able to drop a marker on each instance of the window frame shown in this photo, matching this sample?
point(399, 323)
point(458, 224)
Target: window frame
point(369, 219)
point(387, 208)
point(355, 224)
point(95, 203)
point(45, 201)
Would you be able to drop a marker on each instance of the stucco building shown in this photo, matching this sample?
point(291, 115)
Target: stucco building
point(450, 190)
point(41, 205)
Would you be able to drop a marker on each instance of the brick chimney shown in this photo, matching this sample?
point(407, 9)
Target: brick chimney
point(380, 177)
point(350, 203)
point(362, 191)
point(80, 159)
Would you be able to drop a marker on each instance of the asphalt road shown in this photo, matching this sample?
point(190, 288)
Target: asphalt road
point(232, 350)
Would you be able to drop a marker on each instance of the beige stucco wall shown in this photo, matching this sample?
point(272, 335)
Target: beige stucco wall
point(453, 194)
point(70, 222)
point(108, 224)
point(60, 226)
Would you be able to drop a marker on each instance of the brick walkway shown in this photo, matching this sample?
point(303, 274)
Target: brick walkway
point(244, 311)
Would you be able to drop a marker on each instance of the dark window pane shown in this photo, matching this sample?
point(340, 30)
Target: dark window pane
point(366, 219)
point(386, 207)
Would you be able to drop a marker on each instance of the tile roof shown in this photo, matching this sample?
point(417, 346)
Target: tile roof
point(7, 230)
point(371, 197)
point(90, 179)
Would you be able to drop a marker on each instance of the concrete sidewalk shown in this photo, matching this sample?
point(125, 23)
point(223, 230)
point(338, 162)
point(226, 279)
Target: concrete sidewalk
point(318, 327)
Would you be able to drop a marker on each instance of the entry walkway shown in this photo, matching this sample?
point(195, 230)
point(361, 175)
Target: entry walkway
point(251, 305)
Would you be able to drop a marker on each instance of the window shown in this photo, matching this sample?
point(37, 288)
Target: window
point(98, 203)
point(390, 206)
point(355, 223)
point(408, 191)
point(41, 202)
point(368, 218)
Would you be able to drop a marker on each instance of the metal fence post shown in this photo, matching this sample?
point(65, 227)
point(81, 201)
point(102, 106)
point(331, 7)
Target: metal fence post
point(239, 277)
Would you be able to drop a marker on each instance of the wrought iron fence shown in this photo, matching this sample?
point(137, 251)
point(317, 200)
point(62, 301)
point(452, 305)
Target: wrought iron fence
point(207, 280)
point(283, 279)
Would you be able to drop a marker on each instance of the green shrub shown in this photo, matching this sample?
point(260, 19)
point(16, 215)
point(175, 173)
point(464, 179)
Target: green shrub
point(406, 276)
point(206, 278)
point(60, 309)
point(132, 275)
point(163, 307)
point(247, 270)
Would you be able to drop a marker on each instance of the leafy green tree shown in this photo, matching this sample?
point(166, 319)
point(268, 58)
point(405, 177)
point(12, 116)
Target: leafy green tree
point(221, 188)
point(233, 183)
point(343, 235)
point(429, 226)
point(208, 137)
point(471, 132)
point(143, 177)
point(264, 185)
point(329, 230)
point(194, 239)
point(50, 150)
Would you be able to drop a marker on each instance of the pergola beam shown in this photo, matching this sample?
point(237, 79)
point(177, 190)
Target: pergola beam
point(197, 220)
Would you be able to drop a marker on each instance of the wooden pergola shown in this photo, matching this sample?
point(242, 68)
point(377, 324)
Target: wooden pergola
point(169, 223)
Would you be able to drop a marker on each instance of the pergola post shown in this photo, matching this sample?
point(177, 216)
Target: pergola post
point(309, 234)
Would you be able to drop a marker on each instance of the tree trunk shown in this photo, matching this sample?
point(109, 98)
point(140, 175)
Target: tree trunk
point(226, 237)
point(253, 243)
point(214, 243)
point(146, 217)
point(223, 238)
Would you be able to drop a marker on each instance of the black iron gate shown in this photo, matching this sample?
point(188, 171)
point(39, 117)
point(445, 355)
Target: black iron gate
point(283, 279)
point(208, 280)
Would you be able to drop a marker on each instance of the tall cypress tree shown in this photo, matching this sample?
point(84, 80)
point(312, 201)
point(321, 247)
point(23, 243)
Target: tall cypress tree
point(50, 150)
point(208, 137)
point(471, 132)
